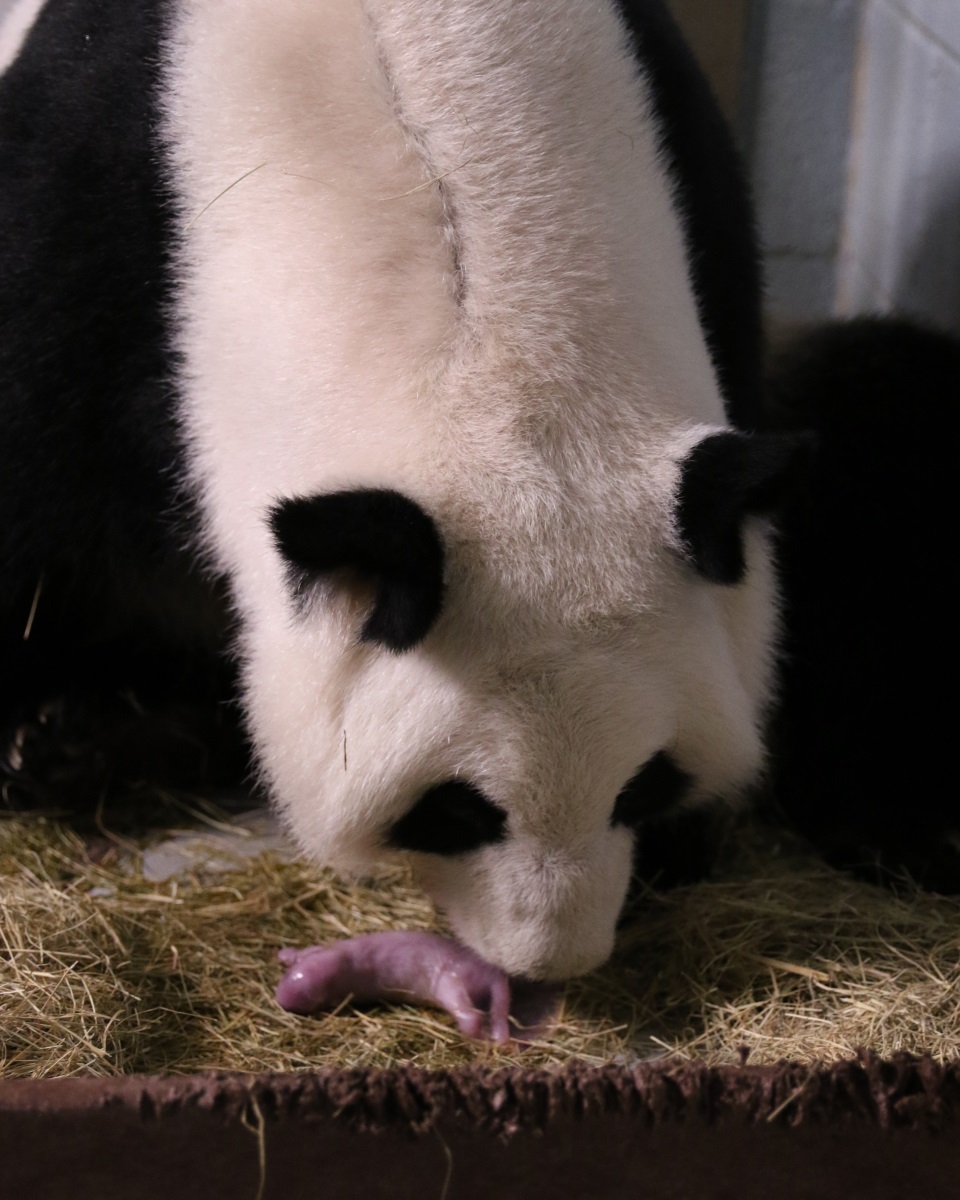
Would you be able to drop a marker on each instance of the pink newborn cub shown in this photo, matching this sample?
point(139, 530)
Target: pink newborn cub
point(413, 967)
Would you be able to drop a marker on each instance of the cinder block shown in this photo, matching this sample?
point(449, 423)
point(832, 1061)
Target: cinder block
point(901, 245)
point(940, 17)
point(802, 124)
point(799, 289)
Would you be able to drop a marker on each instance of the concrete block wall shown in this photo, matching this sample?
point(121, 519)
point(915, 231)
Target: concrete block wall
point(901, 240)
point(851, 125)
point(795, 130)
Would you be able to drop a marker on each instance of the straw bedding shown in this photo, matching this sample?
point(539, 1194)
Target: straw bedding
point(104, 971)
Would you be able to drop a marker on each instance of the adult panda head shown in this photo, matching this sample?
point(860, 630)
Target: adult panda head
point(511, 724)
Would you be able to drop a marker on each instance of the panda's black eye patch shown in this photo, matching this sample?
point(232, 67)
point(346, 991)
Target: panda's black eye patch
point(451, 818)
point(656, 788)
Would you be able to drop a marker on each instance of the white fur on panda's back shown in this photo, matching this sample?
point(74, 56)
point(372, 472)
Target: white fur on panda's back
point(456, 244)
point(316, 290)
point(534, 116)
point(15, 25)
point(429, 245)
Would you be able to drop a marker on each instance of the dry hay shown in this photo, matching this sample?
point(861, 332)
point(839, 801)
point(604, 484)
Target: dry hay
point(104, 972)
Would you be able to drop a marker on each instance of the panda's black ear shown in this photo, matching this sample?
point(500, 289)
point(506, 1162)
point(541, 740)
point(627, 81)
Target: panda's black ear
point(729, 476)
point(382, 536)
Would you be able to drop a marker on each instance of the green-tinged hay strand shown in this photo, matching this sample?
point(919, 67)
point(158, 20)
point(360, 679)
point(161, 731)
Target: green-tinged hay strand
point(104, 972)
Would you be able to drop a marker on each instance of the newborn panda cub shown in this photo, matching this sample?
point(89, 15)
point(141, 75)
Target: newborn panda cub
point(432, 329)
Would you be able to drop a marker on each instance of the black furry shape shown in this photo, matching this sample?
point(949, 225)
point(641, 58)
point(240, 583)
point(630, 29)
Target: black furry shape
point(386, 538)
point(125, 749)
point(677, 848)
point(451, 818)
point(97, 596)
point(655, 789)
point(861, 745)
point(725, 478)
point(673, 846)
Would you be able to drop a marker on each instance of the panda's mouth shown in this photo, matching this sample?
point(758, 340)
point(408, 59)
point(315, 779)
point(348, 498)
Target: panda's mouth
point(420, 968)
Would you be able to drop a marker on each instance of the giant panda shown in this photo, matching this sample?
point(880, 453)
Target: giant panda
point(411, 349)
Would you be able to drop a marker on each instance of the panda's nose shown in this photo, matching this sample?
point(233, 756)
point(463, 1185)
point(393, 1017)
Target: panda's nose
point(564, 945)
point(569, 961)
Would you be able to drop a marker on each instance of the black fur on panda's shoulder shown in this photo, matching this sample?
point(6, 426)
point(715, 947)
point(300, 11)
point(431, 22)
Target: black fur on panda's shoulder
point(97, 592)
point(89, 439)
point(862, 741)
point(713, 201)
